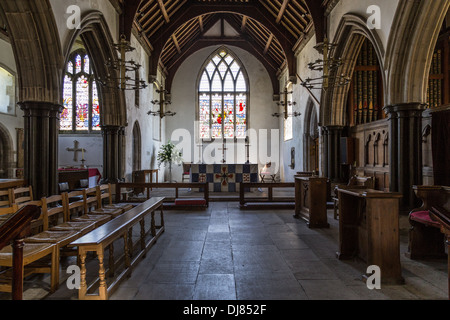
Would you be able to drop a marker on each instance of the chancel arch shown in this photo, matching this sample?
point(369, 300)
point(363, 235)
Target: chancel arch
point(98, 43)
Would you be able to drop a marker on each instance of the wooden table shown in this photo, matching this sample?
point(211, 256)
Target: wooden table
point(369, 229)
point(104, 236)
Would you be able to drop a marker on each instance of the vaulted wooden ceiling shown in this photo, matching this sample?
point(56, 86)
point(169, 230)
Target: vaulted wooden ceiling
point(269, 29)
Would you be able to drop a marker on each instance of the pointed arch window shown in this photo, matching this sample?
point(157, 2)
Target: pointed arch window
point(223, 98)
point(81, 102)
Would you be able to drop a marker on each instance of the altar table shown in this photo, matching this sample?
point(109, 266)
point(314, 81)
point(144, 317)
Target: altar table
point(224, 177)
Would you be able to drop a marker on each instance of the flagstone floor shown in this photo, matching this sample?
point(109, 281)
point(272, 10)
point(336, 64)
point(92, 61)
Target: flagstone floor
point(224, 253)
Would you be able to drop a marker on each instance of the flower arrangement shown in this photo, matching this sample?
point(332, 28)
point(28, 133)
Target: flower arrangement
point(168, 155)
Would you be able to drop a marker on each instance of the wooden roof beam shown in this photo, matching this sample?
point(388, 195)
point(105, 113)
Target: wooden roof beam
point(282, 10)
point(163, 10)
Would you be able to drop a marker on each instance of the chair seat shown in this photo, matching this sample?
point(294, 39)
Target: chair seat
point(124, 206)
point(424, 217)
point(31, 253)
point(61, 238)
point(81, 227)
point(115, 212)
point(98, 219)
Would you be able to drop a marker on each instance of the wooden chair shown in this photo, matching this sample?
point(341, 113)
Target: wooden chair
point(5, 198)
point(59, 238)
point(21, 196)
point(80, 208)
point(33, 254)
point(104, 192)
point(6, 212)
point(94, 204)
point(54, 206)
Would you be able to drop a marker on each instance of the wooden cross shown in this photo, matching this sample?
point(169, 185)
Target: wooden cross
point(75, 150)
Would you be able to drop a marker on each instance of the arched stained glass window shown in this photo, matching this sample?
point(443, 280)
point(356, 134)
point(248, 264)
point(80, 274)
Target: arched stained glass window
point(223, 98)
point(80, 96)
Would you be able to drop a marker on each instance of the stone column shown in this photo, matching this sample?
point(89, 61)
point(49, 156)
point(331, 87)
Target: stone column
point(405, 125)
point(41, 128)
point(112, 153)
point(332, 148)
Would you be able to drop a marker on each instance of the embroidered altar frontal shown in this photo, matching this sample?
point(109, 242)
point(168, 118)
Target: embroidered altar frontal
point(224, 177)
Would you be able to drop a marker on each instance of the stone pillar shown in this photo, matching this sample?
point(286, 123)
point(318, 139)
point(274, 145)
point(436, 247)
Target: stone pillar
point(41, 128)
point(332, 147)
point(405, 144)
point(113, 149)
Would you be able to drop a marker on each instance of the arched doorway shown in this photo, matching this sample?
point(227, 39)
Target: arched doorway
point(136, 151)
point(6, 154)
point(311, 139)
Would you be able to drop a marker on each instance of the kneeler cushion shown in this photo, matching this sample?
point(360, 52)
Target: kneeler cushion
point(423, 217)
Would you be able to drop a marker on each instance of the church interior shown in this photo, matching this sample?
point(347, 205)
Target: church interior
point(315, 164)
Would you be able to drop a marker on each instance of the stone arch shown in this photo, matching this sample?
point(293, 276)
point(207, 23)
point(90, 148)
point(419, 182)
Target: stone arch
point(37, 49)
point(310, 138)
point(409, 53)
point(6, 153)
point(349, 39)
point(98, 41)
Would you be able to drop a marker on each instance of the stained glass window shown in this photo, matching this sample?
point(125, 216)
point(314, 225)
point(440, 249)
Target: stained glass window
point(81, 102)
point(223, 98)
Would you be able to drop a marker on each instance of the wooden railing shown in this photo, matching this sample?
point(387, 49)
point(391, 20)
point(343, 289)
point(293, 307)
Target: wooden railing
point(270, 200)
point(149, 187)
point(14, 230)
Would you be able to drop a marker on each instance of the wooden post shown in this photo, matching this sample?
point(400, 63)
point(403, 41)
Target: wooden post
point(17, 284)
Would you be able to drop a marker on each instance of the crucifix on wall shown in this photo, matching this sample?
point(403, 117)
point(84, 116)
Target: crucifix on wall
point(76, 148)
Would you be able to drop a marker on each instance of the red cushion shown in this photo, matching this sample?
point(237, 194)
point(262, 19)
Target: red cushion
point(190, 202)
point(423, 217)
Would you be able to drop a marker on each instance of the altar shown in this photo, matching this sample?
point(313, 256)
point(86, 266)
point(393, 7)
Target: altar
point(224, 177)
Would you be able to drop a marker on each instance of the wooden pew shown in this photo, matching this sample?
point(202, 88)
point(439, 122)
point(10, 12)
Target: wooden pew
point(425, 239)
point(94, 203)
point(268, 202)
point(369, 230)
point(442, 216)
point(355, 182)
point(311, 201)
point(170, 203)
point(101, 238)
point(23, 257)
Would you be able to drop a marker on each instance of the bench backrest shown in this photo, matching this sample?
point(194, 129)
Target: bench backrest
point(90, 198)
point(6, 198)
point(22, 195)
point(79, 204)
point(52, 207)
point(104, 192)
point(8, 210)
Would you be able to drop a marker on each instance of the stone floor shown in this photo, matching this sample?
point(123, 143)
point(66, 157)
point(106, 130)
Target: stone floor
point(224, 253)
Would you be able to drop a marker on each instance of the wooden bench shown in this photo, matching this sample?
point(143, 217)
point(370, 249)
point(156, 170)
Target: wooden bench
point(425, 239)
point(170, 203)
point(269, 202)
point(103, 237)
point(311, 201)
point(355, 182)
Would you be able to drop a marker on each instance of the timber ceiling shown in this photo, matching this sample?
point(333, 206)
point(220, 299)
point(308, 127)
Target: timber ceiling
point(270, 29)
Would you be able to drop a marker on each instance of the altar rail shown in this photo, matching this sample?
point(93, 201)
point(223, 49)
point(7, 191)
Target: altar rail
point(123, 191)
point(270, 200)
